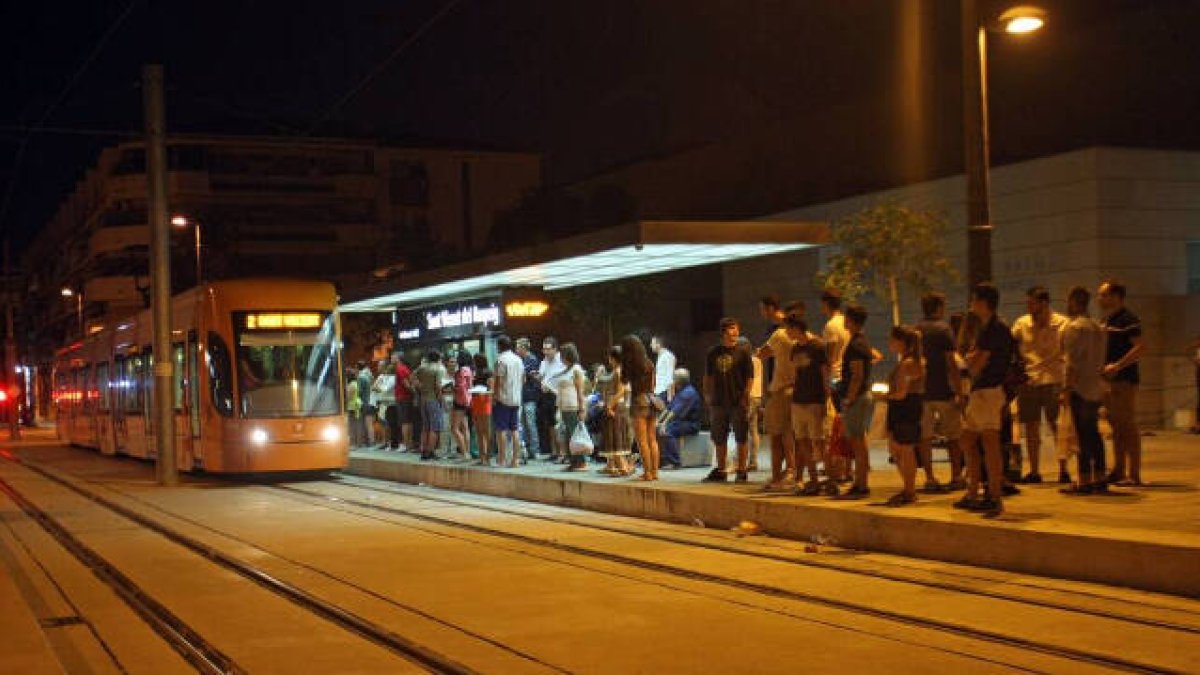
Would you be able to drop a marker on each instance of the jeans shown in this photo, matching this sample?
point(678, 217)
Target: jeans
point(668, 445)
point(1085, 415)
point(547, 414)
point(1127, 439)
point(529, 429)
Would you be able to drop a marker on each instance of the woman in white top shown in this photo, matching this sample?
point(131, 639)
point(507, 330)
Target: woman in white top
point(569, 388)
point(383, 395)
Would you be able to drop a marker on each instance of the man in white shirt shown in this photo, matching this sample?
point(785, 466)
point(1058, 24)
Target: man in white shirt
point(835, 336)
point(1038, 335)
point(664, 368)
point(777, 417)
point(549, 372)
point(509, 380)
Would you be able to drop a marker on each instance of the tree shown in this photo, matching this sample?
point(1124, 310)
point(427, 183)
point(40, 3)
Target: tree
point(613, 306)
point(885, 246)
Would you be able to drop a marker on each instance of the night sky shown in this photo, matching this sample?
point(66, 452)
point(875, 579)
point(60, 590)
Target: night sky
point(592, 85)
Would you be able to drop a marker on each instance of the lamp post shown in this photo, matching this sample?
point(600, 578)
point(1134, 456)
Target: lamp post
point(78, 295)
point(182, 221)
point(1018, 20)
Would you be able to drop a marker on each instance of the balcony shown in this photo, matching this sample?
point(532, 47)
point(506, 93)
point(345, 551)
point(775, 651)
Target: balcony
point(121, 239)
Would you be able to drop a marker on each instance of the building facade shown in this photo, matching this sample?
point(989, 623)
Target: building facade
point(344, 211)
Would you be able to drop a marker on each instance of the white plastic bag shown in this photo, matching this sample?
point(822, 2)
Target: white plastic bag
point(581, 440)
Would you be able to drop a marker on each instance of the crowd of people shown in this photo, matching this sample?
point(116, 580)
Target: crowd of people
point(951, 383)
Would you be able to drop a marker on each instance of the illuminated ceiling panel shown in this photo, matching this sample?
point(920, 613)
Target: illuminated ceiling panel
point(608, 263)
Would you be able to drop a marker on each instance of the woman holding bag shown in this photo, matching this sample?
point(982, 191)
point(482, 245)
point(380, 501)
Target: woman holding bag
point(569, 390)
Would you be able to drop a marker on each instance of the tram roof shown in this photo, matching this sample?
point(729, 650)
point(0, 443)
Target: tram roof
point(630, 250)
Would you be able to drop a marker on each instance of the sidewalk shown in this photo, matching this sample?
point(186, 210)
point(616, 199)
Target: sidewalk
point(1146, 538)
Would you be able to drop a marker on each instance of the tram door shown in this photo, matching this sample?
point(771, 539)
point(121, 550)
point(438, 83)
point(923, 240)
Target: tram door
point(104, 409)
point(184, 449)
point(192, 399)
point(120, 394)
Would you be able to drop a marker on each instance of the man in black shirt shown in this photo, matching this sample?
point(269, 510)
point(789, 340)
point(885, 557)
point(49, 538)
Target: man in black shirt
point(943, 386)
point(858, 406)
point(728, 374)
point(810, 396)
point(1123, 350)
point(988, 362)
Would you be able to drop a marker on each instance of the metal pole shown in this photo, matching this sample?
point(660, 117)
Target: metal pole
point(163, 407)
point(975, 145)
point(10, 349)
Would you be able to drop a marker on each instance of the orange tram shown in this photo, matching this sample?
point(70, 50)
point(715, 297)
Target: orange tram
point(257, 379)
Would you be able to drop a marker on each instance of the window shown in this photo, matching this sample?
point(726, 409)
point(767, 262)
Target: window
point(179, 373)
point(104, 385)
point(220, 375)
point(131, 383)
point(1193, 267)
point(287, 372)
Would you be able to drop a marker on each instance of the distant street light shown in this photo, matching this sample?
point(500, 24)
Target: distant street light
point(182, 221)
point(1018, 20)
point(70, 293)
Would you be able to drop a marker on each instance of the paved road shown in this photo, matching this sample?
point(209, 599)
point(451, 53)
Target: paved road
point(354, 575)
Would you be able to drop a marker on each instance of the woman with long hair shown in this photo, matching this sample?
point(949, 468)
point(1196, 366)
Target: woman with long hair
point(906, 389)
point(611, 386)
point(464, 379)
point(638, 371)
point(481, 408)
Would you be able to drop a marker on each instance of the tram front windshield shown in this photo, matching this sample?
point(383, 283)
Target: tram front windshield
point(286, 368)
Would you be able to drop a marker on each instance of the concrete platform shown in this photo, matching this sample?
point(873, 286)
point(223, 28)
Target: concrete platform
point(1146, 538)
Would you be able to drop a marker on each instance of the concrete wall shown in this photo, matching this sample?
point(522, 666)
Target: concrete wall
point(1068, 219)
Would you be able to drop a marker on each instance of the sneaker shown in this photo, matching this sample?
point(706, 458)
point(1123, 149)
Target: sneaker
point(1010, 490)
point(1064, 478)
point(1032, 479)
point(811, 489)
point(742, 477)
point(829, 488)
point(854, 493)
point(983, 505)
point(967, 503)
point(715, 476)
point(992, 509)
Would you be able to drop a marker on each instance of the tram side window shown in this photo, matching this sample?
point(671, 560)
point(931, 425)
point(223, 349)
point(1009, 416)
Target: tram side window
point(103, 385)
point(177, 354)
point(220, 375)
point(132, 382)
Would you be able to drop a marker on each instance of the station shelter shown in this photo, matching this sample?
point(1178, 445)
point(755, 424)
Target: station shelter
point(468, 305)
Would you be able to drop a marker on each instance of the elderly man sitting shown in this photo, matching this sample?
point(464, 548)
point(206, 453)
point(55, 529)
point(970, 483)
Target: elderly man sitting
point(681, 418)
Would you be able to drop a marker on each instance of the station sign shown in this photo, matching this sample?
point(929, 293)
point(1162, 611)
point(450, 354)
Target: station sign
point(450, 320)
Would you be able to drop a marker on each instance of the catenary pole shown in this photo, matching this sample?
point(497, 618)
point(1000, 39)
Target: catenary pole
point(163, 406)
point(10, 349)
point(975, 145)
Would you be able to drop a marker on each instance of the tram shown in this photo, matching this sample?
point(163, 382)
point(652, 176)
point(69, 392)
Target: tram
point(257, 380)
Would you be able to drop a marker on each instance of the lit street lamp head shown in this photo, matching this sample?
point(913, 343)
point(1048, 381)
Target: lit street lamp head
point(180, 221)
point(66, 292)
point(1022, 19)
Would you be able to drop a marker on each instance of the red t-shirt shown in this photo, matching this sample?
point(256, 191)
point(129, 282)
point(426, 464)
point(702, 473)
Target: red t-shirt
point(403, 393)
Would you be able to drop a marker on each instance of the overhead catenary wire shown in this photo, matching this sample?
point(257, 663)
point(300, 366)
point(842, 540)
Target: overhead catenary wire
point(19, 156)
point(382, 65)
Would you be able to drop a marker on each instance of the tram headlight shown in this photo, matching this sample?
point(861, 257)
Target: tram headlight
point(259, 436)
point(331, 433)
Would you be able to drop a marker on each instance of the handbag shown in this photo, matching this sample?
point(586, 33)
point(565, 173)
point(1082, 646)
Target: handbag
point(581, 441)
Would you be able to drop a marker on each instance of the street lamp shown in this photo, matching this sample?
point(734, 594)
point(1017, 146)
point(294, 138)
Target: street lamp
point(1018, 20)
point(182, 221)
point(78, 295)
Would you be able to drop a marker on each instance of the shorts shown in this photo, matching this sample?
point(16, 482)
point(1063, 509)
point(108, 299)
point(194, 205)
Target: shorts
point(985, 409)
point(856, 416)
point(808, 421)
point(504, 417)
point(904, 421)
point(433, 418)
point(944, 417)
point(1034, 400)
point(404, 412)
point(722, 419)
point(777, 418)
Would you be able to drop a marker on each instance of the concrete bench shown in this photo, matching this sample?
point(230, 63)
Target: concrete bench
point(696, 450)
